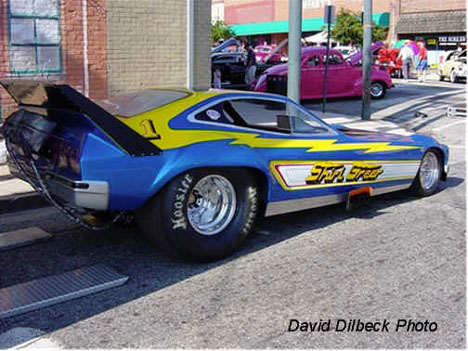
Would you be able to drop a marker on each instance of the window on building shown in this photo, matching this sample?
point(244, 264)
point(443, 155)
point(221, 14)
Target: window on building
point(34, 36)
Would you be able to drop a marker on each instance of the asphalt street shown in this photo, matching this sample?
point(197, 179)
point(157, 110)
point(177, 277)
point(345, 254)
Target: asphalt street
point(399, 257)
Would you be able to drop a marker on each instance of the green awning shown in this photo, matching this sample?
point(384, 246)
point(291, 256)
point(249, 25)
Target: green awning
point(308, 25)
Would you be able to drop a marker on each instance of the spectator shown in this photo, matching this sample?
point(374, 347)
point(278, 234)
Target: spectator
point(251, 65)
point(422, 62)
point(406, 55)
point(217, 78)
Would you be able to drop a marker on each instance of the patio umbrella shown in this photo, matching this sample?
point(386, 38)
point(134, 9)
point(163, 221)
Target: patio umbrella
point(400, 43)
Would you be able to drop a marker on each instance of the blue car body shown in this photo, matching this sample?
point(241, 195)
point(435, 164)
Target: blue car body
point(309, 169)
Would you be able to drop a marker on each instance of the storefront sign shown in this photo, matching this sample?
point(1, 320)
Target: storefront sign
point(452, 39)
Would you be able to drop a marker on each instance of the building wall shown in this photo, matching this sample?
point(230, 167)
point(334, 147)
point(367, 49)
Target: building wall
point(251, 11)
point(146, 44)
point(71, 47)
point(130, 45)
point(314, 8)
point(217, 10)
point(408, 6)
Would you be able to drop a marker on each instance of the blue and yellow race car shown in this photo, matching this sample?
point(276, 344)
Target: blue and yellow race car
point(199, 168)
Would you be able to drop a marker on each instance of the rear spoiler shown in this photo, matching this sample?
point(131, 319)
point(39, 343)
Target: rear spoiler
point(63, 97)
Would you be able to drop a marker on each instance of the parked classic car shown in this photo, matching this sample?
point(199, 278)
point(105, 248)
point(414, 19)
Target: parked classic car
point(232, 66)
point(263, 51)
point(344, 76)
point(453, 67)
point(388, 58)
point(200, 168)
point(346, 51)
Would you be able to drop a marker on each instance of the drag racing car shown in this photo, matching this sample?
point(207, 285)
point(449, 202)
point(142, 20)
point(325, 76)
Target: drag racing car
point(200, 168)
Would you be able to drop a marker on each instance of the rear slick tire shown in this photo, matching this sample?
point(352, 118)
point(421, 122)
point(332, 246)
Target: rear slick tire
point(202, 214)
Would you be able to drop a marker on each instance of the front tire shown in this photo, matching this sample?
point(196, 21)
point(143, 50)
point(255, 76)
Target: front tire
point(453, 76)
point(429, 175)
point(203, 214)
point(378, 90)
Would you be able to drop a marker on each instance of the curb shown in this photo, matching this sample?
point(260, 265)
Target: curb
point(22, 202)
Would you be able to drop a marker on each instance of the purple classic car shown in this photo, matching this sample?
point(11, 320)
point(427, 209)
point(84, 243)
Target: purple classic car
point(344, 76)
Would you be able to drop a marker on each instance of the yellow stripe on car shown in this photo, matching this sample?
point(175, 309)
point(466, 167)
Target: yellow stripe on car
point(168, 138)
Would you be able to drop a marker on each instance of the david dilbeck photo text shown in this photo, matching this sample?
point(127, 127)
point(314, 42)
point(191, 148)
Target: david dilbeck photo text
point(240, 174)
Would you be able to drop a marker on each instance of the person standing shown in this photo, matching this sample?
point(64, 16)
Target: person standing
point(251, 65)
point(217, 78)
point(406, 55)
point(422, 62)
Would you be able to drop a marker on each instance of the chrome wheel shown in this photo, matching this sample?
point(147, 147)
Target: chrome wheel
point(376, 89)
point(453, 76)
point(211, 204)
point(429, 172)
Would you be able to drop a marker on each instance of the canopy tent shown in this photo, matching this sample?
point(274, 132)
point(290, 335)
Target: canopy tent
point(318, 38)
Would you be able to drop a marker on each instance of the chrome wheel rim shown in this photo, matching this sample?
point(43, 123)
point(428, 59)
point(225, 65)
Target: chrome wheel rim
point(211, 204)
point(453, 76)
point(429, 171)
point(376, 89)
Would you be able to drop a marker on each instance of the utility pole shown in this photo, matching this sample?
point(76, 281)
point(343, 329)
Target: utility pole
point(329, 17)
point(294, 50)
point(366, 60)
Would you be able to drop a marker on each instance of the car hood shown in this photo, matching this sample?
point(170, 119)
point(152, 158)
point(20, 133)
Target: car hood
point(277, 69)
point(356, 57)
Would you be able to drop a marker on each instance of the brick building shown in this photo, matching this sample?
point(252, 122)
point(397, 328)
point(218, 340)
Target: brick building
point(440, 24)
point(105, 46)
point(267, 20)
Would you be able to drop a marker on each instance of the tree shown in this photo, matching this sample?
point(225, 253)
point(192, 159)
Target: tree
point(219, 30)
point(348, 29)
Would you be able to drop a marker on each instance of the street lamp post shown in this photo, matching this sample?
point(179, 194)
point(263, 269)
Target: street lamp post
point(294, 50)
point(366, 60)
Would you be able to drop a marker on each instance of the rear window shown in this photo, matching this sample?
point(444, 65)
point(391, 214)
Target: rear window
point(131, 104)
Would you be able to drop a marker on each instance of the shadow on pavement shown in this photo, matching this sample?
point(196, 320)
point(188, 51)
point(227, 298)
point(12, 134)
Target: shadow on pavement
point(149, 270)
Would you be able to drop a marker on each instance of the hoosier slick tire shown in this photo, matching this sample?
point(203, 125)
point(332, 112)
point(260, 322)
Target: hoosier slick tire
point(429, 174)
point(202, 214)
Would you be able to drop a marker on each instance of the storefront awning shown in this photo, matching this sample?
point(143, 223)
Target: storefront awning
point(432, 22)
point(308, 25)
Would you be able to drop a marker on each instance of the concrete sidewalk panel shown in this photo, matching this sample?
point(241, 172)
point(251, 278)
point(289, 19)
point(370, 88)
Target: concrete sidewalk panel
point(22, 237)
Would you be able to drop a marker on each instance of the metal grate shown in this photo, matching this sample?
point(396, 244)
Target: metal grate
point(51, 290)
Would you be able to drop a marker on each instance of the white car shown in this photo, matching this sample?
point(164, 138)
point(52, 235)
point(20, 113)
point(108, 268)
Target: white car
point(345, 50)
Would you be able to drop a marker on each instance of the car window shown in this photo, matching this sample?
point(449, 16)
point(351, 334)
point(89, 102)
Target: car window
point(463, 54)
point(260, 113)
point(333, 59)
point(271, 115)
point(303, 122)
point(313, 61)
point(450, 56)
point(215, 113)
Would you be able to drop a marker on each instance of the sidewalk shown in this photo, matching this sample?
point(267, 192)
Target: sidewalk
point(16, 194)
